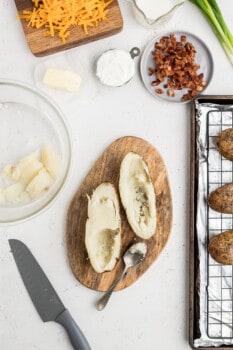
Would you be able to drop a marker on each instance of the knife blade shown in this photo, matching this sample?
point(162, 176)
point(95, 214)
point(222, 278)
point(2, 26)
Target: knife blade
point(43, 295)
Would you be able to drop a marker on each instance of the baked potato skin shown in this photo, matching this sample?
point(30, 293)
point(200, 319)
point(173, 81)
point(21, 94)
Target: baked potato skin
point(221, 200)
point(221, 248)
point(224, 143)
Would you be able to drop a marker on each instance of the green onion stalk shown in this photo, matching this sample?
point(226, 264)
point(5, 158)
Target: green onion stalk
point(213, 13)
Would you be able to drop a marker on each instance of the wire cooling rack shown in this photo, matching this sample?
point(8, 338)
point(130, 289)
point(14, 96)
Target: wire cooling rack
point(220, 277)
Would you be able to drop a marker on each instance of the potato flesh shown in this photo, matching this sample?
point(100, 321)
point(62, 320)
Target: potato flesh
point(137, 195)
point(2, 196)
point(40, 184)
point(31, 177)
point(103, 230)
point(51, 161)
point(26, 169)
point(12, 192)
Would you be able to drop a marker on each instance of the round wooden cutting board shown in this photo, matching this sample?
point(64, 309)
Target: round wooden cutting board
point(107, 168)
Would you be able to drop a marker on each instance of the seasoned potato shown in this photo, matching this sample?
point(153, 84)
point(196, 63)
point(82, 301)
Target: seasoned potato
point(221, 248)
point(138, 195)
point(224, 143)
point(221, 199)
point(103, 228)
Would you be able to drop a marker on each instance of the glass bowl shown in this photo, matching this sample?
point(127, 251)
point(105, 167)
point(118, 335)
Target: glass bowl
point(148, 17)
point(29, 121)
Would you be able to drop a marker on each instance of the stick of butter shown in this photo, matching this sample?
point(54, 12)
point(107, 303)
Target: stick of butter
point(62, 79)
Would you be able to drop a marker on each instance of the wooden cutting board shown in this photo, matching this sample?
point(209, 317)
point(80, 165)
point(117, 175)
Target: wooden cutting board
point(107, 168)
point(41, 45)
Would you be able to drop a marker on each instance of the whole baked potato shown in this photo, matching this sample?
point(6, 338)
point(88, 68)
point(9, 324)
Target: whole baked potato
point(221, 248)
point(224, 143)
point(221, 199)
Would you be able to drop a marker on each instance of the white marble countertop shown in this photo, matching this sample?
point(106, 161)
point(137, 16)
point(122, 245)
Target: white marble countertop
point(153, 312)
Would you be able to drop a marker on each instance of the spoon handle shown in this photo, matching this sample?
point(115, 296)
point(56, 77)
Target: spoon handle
point(102, 302)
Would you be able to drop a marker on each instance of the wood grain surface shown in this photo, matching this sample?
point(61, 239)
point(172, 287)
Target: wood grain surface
point(107, 168)
point(41, 45)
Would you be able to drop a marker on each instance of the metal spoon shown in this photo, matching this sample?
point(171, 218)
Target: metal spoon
point(133, 256)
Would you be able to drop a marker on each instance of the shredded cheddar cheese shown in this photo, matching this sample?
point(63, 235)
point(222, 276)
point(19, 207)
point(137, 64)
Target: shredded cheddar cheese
point(58, 16)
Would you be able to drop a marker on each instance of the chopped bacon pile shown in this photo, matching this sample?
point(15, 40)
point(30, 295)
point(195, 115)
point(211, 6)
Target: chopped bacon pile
point(175, 67)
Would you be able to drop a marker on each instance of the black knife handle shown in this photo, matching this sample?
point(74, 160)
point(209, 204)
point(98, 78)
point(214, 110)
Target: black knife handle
point(76, 336)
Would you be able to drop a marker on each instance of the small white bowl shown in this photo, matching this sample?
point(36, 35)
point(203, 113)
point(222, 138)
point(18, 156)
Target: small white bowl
point(30, 120)
point(154, 23)
point(203, 57)
point(115, 67)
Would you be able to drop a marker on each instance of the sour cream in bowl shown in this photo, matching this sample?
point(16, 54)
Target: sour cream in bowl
point(116, 67)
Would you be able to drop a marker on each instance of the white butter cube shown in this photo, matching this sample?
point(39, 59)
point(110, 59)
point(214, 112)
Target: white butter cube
point(62, 79)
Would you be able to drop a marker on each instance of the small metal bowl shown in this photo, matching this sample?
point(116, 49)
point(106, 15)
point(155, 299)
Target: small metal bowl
point(114, 65)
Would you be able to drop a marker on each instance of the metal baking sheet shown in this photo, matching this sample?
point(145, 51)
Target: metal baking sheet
point(211, 305)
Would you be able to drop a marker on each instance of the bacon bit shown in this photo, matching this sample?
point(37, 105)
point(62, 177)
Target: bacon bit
point(155, 82)
point(159, 91)
point(175, 61)
point(171, 93)
point(151, 71)
point(183, 39)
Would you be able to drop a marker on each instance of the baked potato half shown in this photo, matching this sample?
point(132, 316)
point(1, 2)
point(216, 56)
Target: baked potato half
point(103, 228)
point(138, 195)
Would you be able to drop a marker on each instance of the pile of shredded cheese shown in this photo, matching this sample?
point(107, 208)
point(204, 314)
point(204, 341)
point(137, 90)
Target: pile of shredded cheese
point(59, 15)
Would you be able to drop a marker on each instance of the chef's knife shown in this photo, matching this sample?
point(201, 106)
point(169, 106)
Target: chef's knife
point(43, 295)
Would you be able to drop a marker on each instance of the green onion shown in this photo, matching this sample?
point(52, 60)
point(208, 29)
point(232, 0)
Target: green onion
point(213, 13)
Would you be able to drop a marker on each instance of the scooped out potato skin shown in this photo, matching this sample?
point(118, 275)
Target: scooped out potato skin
point(103, 228)
point(138, 195)
point(221, 200)
point(224, 143)
point(221, 248)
